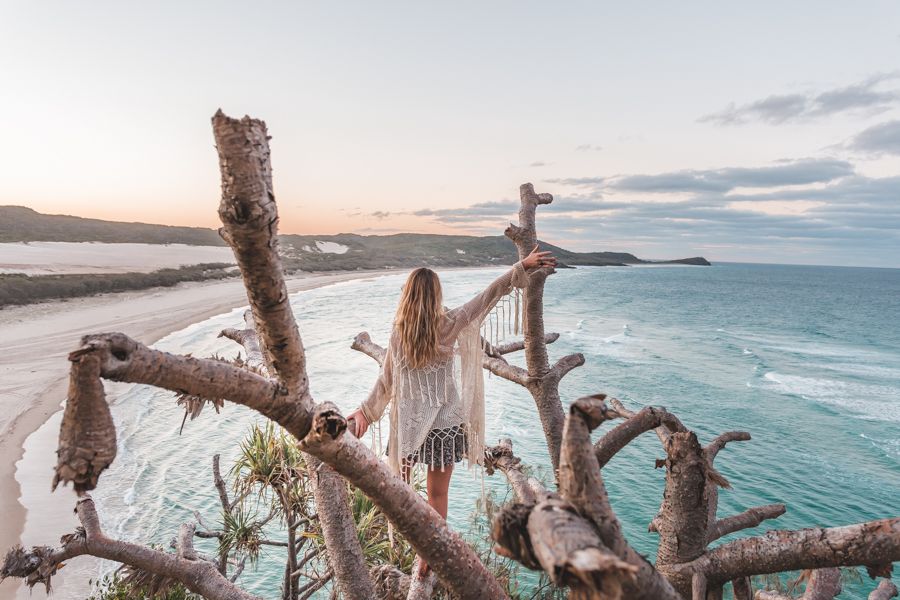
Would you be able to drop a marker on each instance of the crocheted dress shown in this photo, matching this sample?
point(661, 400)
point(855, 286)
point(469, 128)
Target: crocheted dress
point(437, 411)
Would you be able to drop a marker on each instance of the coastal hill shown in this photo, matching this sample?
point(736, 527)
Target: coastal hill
point(343, 251)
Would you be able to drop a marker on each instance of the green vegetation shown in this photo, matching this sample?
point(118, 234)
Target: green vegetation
point(408, 250)
point(401, 251)
point(117, 587)
point(21, 224)
point(17, 288)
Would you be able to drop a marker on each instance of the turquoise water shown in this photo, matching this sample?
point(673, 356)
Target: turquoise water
point(807, 359)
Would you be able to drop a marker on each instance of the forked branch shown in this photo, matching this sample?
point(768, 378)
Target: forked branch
point(197, 575)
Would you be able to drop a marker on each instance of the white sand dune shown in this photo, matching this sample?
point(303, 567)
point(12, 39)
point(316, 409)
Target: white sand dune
point(46, 258)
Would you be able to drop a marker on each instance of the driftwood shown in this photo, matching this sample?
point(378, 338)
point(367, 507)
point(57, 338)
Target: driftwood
point(571, 532)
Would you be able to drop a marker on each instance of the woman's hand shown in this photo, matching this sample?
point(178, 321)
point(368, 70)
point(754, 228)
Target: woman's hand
point(360, 422)
point(539, 259)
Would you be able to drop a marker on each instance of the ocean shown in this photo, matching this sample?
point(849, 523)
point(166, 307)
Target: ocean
point(806, 359)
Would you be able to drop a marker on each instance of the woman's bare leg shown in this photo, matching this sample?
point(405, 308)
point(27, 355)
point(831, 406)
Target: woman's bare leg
point(438, 485)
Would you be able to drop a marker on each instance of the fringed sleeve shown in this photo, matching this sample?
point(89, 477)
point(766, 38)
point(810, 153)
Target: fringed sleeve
point(466, 328)
point(476, 309)
point(373, 407)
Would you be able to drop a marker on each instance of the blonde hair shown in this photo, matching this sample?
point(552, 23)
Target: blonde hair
point(418, 317)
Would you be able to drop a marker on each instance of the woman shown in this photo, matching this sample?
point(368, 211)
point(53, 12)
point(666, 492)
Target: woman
point(434, 420)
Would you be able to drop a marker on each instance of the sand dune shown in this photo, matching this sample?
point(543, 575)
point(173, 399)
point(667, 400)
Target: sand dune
point(48, 258)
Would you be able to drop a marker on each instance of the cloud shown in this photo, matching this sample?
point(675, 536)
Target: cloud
point(786, 173)
point(507, 209)
point(821, 208)
point(878, 140)
point(588, 148)
point(862, 97)
point(539, 163)
point(380, 214)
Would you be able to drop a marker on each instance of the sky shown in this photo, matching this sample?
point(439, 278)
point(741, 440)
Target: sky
point(765, 132)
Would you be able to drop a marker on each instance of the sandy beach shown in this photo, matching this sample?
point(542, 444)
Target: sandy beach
point(34, 342)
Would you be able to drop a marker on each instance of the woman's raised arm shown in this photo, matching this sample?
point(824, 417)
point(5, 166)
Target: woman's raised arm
point(515, 277)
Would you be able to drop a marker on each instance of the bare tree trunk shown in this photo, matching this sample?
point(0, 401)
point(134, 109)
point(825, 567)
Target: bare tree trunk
point(682, 520)
point(544, 389)
point(339, 529)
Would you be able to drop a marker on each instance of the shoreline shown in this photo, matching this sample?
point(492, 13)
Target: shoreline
point(34, 342)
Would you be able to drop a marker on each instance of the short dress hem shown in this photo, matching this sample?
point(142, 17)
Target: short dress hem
point(441, 448)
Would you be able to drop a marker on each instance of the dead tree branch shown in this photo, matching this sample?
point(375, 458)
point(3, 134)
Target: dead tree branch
point(516, 346)
point(250, 223)
point(821, 584)
point(501, 457)
point(581, 483)
point(496, 365)
point(874, 544)
point(635, 424)
point(452, 559)
point(420, 588)
point(544, 390)
point(199, 576)
point(748, 519)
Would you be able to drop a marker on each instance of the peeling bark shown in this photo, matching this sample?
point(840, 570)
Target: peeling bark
point(87, 436)
point(390, 583)
point(571, 553)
